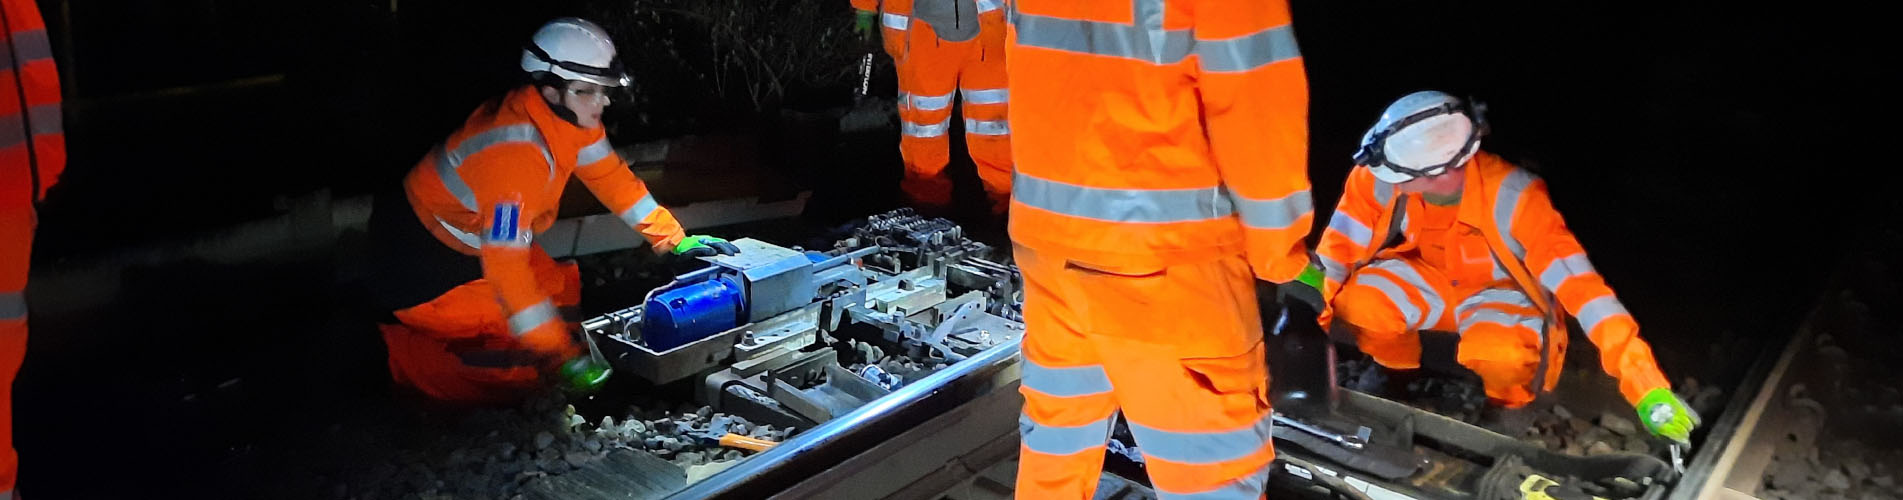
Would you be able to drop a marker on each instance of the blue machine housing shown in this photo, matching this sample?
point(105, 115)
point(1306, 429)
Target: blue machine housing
point(692, 312)
point(760, 282)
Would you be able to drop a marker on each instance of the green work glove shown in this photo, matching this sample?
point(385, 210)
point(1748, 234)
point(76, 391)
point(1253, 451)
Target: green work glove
point(701, 245)
point(862, 24)
point(1666, 416)
point(584, 374)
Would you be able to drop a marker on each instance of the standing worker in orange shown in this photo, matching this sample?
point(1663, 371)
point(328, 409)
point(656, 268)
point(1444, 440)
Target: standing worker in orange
point(32, 155)
point(1161, 190)
point(481, 312)
point(1432, 233)
point(942, 48)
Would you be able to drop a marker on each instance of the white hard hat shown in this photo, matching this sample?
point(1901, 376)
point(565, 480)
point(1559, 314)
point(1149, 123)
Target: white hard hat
point(1421, 134)
point(574, 49)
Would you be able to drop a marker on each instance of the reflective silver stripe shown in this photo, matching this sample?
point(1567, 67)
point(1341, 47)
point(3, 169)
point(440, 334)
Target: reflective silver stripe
point(931, 102)
point(525, 320)
point(895, 21)
point(989, 5)
point(1395, 295)
point(1353, 228)
point(1435, 304)
point(640, 211)
point(1383, 193)
point(1122, 205)
point(987, 127)
point(1334, 269)
point(1203, 447)
point(925, 131)
point(12, 305)
point(1600, 309)
point(1500, 270)
point(1505, 319)
point(1068, 382)
point(594, 153)
point(1248, 487)
point(1279, 213)
point(12, 132)
point(1249, 51)
point(464, 236)
point(1054, 440)
point(987, 96)
point(1505, 202)
point(1147, 41)
point(1107, 39)
point(510, 243)
point(31, 45)
point(45, 119)
point(448, 161)
point(1494, 316)
point(1560, 269)
point(1493, 296)
point(453, 182)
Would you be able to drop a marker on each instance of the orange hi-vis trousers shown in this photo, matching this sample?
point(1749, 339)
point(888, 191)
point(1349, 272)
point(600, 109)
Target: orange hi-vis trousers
point(458, 347)
point(16, 246)
point(931, 72)
point(1388, 302)
point(1178, 351)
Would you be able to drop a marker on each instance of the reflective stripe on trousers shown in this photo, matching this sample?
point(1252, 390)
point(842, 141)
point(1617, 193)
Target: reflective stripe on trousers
point(1471, 312)
point(12, 306)
point(1189, 448)
point(925, 131)
point(1152, 44)
point(986, 96)
point(1396, 292)
point(926, 102)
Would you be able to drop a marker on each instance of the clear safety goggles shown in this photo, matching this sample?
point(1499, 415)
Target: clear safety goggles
point(1373, 154)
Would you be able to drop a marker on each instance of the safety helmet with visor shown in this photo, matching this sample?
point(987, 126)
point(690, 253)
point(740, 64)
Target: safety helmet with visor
point(574, 49)
point(1422, 134)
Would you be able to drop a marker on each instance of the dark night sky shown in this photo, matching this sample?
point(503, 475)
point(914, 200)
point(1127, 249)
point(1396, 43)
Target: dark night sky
point(1711, 158)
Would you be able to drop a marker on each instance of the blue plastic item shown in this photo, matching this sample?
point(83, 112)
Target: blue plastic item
point(692, 312)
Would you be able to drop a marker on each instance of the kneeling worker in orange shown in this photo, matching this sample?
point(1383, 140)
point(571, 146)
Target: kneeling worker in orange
point(479, 311)
point(1161, 179)
point(1432, 233)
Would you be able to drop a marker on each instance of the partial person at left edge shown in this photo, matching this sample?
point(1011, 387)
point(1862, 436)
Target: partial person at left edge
point(478, 312)
point(32, 156)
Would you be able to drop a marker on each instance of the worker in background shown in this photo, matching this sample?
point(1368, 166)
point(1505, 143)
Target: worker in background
point(32, 155)
point(479, 311)
point(942, 48)
point(1433, 233)
point(1161, 180)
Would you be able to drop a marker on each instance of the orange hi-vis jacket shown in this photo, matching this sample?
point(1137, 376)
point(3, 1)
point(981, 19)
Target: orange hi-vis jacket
point(32, 137)
point(1531, 250)
point(1184, 136)
point(496, 182)
point(895, 17)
